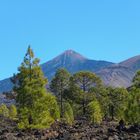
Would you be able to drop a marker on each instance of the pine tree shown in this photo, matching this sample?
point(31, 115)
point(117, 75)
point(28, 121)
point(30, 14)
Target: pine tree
point(85, 81)
point(74, 95)
point(118, 98)
point(136, 80)
point(132, 112)
point(58, 85)
point(30, 87)
point(73, 92)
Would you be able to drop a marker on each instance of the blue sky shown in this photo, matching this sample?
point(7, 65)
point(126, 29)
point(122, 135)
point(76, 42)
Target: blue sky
point(98, 29)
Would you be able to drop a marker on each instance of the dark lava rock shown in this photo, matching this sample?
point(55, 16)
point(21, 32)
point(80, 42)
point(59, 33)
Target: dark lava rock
point(121, 126)
point(20, 134)
point(133, 129)
point(110, 130)
point(80, 130)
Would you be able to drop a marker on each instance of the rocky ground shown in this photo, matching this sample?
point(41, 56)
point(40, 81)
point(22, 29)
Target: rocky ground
point(81, 130)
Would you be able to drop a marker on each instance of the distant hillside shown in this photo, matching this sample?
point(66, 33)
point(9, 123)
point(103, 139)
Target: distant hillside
point(132, 63)
point(5, 85)
point(70, 60)
point(117, 75)
point(121, 75)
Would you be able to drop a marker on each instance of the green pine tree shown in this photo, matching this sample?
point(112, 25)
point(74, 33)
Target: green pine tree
point(132, 113)
point(59, 84)
point(136, 80)
point(30, 87)
point(85, 80)
point(118, 98)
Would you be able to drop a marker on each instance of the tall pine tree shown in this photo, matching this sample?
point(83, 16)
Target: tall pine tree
point(85, 81)
point(30, 87)
point(59, 84)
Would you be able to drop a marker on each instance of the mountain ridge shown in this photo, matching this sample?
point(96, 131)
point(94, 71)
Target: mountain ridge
point(112, 74)
point(73, 62)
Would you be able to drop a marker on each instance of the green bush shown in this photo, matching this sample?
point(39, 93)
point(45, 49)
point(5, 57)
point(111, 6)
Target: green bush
point(68, 113)
point(4, 111)
point(94, 111)
point(12, 112)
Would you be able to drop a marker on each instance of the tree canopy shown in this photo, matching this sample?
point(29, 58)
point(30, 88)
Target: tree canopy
point(32, 100)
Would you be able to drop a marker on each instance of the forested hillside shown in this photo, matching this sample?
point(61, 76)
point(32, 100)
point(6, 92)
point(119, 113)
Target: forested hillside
point(72, 102)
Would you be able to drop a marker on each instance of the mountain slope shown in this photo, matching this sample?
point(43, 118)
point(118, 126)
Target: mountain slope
point(73, 62)
point(121, 75)
point(132, 63)
point(70, 60)
point(117, 76)
point(5, 85)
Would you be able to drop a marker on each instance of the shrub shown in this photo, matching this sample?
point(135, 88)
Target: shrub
point(12, 112)
point(68, 113)
point(94, 110)
point(4, 110)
